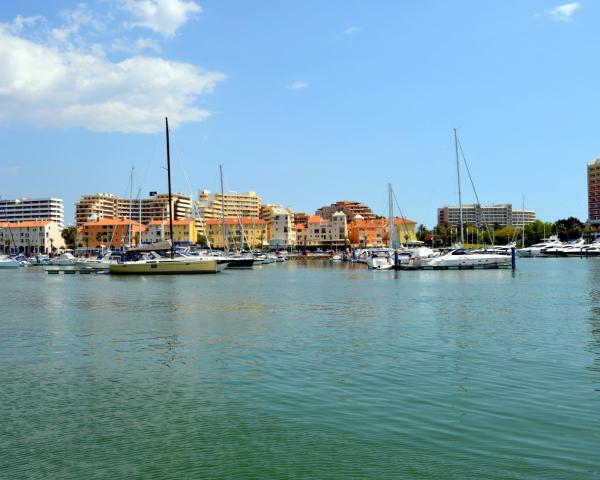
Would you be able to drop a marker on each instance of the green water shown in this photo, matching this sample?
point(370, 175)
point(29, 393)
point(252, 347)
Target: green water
point(303, 371)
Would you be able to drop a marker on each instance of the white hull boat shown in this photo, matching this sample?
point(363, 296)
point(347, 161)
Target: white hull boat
point(463, 259)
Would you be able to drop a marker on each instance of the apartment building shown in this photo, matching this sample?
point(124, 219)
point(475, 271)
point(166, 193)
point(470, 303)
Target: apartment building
point(143, 210)
point(109, 233)
point(32, 209)
point(593, 186)
point(350, 208)
point(280, 225)
point(324, 233)
point(367, 233)
point(482, 215)
point(232, 204)
point(184, 232)
point(236, 233)
point(30, 237)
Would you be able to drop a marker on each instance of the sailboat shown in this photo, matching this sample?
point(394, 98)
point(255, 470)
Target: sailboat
point(145, 260)
point(460, 257)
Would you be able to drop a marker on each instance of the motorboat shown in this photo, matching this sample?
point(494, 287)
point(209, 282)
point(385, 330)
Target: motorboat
point(536, 250)
point(465, 259)
point(65, 259)
point(564, 249)
point(8, 262)
point(380, 259)
point(336, 258)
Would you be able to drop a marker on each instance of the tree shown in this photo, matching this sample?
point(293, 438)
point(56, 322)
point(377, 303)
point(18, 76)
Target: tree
point(86, 240)
point(422, 233)
point(100, 237)
point(569, 228)
point(70, 236)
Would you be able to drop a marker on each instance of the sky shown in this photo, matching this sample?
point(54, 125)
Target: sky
point(306, 103)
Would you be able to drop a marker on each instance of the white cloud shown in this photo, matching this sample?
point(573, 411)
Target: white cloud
point(161, 16)
point(75, 19)
point(51, 85)
point(139, 45)
point(352, 30)
point(20, 22)
point(298, 85)
point(563, 13)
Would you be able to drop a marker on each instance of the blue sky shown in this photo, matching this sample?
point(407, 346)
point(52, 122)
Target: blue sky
point(305, 102)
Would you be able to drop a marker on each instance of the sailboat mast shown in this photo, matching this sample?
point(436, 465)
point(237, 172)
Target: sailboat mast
point(130, 205)
point(391, 229)
point(223, 226)
point(460, 209)
point(170, 195)
point(523, 218)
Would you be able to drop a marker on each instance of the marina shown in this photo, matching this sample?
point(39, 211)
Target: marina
point(290, 365)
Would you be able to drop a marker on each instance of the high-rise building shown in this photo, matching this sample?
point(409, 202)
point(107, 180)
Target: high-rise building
point(231, 204)
point(144, 210)
point(593, 183)
point(350, 208)
point(32, 209)
point(482, 215)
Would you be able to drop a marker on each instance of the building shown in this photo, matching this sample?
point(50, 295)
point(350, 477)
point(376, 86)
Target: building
point(301, 218)
point(184, 232)
point(593, 184)
point(239, 234)
point(26, 209)
point(280, 225)
point(109, 233)
point(142, 210)
point(231, 204)
point(350, 208)
point(324, 233)
point(482, 215)
point(367, 233)
point(405, 230)
point(30, 237)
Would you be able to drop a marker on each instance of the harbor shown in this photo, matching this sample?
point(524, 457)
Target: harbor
point(304, 366)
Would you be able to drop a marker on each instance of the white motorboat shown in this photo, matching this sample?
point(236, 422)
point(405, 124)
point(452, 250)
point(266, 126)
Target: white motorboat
point(8, 262)
point(336, 258)
point(564, 249)
point(536, 250)
point(381, 259)
point(464, 259)
point(65, 259)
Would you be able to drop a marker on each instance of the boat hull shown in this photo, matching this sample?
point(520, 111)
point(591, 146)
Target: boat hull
point(164, 267)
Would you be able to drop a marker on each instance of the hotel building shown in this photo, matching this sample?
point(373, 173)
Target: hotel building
point(232, 204)
point(481, 215)
point(143, 210)
point(350, 208)
point(25, 209)
point(593, 184)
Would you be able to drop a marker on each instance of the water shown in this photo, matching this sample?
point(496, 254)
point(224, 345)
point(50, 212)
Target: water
point(303, 371)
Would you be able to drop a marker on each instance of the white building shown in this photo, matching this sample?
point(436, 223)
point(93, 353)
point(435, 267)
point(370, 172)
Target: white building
point(280, 227)
point(481, 215)
point(327, 233)
point(31, 209)
point(40, 236)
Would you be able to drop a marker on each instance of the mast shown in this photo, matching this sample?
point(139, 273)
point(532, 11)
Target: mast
point(170, 195)
point(391, 229)
point(223, 226)
point(523, 218)
point(460, 209)
point(130, 206)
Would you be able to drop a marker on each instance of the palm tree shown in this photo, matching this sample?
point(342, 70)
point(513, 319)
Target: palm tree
point(100, 237)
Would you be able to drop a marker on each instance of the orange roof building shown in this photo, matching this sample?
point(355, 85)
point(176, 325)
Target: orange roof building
point(30, 237)
point(236, 233)
point(109, 233)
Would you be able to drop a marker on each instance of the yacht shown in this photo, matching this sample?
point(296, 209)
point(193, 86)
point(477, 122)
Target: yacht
point(8, 262)
point(536, 250)
point(465, 259)
point(564, 249)
point(65, 259)
point(381, 259)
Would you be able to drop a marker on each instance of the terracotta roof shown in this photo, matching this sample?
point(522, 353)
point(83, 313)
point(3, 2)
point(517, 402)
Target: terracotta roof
point(235, 221)
point(183, 221)
point(26, 224)
point(365, 224)
point(110, 222)
point(315, 219)
point(404, 221)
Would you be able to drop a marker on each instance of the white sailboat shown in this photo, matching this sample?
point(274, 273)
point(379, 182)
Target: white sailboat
point(460, 257)
point(142, 262)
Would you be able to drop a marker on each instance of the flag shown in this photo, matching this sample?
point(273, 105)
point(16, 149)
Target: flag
point(153, 194)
